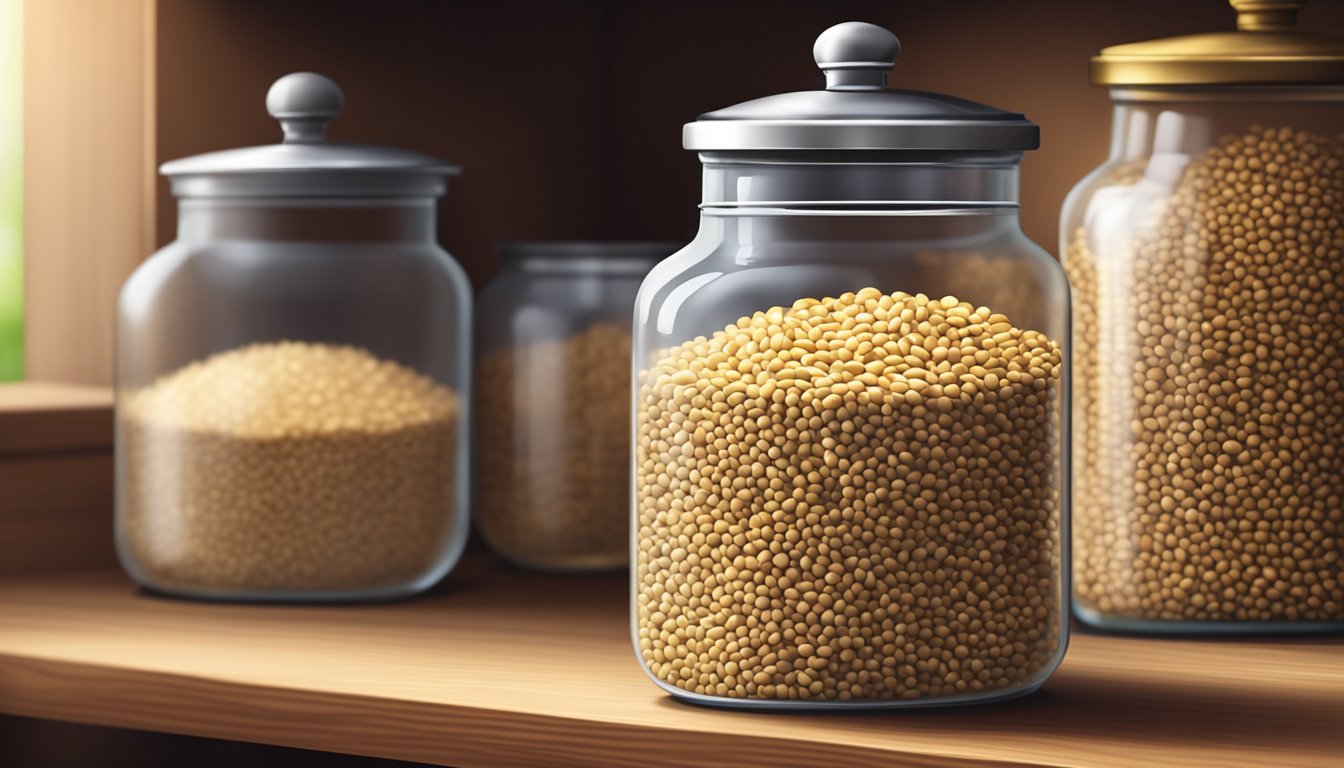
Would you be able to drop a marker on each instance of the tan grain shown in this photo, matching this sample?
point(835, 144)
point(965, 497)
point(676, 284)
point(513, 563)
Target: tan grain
point(854, 498)
point(1210, 407)
point(288, 467)
point(553, 450)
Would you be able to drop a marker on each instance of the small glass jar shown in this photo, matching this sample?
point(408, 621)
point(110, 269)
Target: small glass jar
point(553, 402)
point(850, 479)
point(1207, 260)
point(293, 374)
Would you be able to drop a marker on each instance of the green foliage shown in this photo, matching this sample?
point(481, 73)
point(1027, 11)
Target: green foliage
point(11, 190)
point(11, 308)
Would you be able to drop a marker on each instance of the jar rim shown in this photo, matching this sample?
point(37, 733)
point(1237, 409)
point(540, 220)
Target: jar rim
point(1227, 93)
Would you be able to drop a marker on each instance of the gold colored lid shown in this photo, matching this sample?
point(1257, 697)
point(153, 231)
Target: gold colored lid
point(1266, 49)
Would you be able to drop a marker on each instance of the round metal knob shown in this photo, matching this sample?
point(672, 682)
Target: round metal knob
point(856, 56)
point(304, 103)
point(1259, 15)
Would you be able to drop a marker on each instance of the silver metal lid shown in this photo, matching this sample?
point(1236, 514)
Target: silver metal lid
point(305, 164)
point(609, 257)
point(857, 111)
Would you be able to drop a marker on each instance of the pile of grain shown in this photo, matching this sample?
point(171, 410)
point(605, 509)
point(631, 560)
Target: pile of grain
point(553, 450)
point(287, 467)
point(855, 498)
point(1211, 396)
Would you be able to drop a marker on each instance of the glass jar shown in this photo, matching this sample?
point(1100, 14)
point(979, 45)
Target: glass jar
point(851, 476)
point(1207, 260)
point(553, 402)
point(293, 374)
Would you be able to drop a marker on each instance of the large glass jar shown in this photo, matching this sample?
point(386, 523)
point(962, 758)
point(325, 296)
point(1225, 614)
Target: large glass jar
point(553, 402)
point(1207, 260)
point(850, 473)
point(292, 374)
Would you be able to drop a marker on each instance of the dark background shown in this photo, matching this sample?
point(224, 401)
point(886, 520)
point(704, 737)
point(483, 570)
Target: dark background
point(567, 117)
point(28, 743)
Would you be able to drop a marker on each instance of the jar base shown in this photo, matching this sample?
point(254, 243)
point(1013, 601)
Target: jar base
point(376, 595)
point(791, 705)
point(1096, 620)
point(404, 590)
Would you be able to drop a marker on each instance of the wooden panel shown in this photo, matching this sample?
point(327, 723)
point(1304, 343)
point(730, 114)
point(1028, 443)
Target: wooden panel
point(503, 668)
point(37, 417)
point(55, 477)
point(88, 215)
point(56, 511)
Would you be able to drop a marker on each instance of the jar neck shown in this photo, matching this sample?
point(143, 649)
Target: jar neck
point(584, 258)
point(575, 267)
point(307, 220)
point(855, 181)
point(814, 233)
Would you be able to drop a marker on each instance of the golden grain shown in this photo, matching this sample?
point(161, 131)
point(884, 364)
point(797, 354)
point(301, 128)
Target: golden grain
point(1210, 406)
point(814, 530)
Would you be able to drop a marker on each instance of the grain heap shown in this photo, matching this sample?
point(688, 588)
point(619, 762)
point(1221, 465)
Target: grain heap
point(855, 498)
point(553, 430)
point(288, 467)
point(1211, 474)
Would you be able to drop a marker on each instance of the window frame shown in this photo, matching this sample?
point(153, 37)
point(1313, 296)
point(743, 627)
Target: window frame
point(89, 180)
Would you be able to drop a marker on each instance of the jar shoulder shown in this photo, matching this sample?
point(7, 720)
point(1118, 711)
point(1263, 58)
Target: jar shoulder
point(237, 268)
point(716, 280)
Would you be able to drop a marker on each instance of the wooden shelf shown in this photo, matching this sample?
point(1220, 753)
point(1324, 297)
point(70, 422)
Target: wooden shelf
point(39, 417)
point(503, 668)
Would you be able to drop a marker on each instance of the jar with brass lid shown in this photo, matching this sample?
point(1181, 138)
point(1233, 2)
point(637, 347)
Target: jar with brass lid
point(1206, 257)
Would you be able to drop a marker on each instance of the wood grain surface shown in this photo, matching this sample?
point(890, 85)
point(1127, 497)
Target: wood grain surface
point(503, 668)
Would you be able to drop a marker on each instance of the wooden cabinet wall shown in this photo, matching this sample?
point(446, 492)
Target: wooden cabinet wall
point(566, 115)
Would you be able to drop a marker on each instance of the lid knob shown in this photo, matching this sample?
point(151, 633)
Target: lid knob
point(1259, 15)
point(856, 56)
point(304, 103)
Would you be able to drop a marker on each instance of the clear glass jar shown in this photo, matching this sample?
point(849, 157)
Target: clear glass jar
point(1208, 273)
point(553, 402)
point(293, 374)
point(851, 453)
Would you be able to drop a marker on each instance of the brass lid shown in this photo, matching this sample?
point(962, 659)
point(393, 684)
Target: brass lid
point(1266, 49)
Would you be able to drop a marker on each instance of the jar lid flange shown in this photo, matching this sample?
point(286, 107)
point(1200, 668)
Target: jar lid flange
point(304, 163)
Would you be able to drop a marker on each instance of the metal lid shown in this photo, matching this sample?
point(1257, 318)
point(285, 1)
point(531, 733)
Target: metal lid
point(305, 164)
point(586, 256)
point(857, 111)
point(654, 250)
point(1266, 49)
